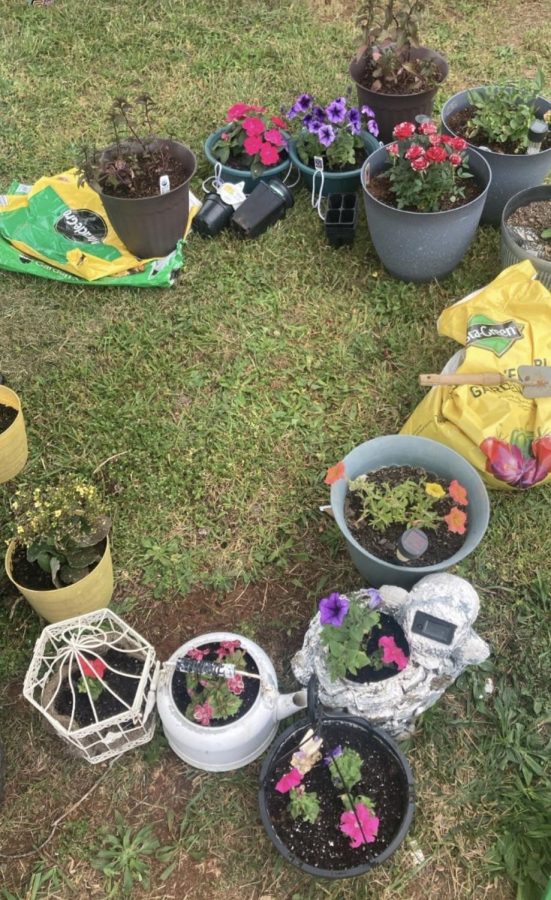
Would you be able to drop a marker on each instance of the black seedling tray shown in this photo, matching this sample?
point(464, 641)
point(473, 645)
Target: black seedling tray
point(341, 219)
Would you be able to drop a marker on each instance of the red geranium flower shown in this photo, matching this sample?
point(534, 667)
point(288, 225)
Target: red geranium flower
point(269, 155)
point(279, 122)
point(92, 668)
point(437, 154)
point(403, 130)
point(237, 111)
point(274, 137)
point(252, 144)
point(254, 126)
point(334, 473)
point(456, 520)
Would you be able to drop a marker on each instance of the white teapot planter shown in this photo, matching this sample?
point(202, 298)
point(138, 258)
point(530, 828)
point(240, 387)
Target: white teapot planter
point(221, 748)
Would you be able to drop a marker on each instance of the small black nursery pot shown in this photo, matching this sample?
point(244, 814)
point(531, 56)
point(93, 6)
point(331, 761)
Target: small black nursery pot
point(341, 219)
point(265, 205)
point(213, 216)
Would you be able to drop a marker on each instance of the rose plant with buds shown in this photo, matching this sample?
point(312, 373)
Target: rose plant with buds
point(427, 168)
point(251, 140)
point(347, 623)
point(332, 132)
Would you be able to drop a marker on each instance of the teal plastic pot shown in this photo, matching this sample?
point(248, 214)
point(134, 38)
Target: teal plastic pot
point(511, 172)
point(236, 175)
point(409, 450)
point(334, 182)
point(420, 246)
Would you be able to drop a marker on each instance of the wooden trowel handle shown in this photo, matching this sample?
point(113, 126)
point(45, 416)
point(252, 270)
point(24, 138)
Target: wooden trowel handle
point(467, 378)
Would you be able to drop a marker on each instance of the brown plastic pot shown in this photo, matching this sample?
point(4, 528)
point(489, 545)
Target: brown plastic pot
point(151, 226)
point(390, 109)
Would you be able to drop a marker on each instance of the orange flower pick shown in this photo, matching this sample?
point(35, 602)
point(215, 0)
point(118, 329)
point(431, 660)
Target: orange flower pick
point(456, 520)
point(334, 473)
point(458, 493)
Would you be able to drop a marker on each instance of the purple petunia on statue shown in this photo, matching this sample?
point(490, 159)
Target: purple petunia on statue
point(333, 609)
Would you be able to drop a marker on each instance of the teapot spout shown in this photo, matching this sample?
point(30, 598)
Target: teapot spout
point(288, 704)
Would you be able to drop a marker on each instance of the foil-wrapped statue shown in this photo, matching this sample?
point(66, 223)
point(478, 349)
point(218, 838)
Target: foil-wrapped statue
point(437, 618)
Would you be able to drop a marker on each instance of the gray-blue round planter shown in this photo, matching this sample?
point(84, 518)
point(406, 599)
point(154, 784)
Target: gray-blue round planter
point(420, 246)
point(511, 172)
point(409, 450)
point(236, 175)
point(333, 182)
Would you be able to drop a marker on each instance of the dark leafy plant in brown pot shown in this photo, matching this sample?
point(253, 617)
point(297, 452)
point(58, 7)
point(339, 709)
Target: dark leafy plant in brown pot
point(142, 179)
point(394, 75)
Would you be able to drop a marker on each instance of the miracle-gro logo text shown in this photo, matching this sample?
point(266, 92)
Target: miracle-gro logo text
point(497, 337)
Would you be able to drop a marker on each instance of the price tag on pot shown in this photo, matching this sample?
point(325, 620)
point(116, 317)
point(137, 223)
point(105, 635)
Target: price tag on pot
point(164, 184)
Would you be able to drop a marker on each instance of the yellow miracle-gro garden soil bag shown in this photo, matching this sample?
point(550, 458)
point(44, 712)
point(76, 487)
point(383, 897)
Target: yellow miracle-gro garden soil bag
point(505, 435)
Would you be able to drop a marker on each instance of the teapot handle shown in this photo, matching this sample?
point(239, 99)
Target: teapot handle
point(313, 701)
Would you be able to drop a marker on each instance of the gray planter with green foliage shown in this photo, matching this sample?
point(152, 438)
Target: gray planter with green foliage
point(409, 450)
point(511, 252)
point(420, 246)
point(333, 182)
point(236, 175)
point(511, 172)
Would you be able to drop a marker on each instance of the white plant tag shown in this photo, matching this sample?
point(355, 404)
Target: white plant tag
point(232, 194)
point(164, 184)
point(318, 163)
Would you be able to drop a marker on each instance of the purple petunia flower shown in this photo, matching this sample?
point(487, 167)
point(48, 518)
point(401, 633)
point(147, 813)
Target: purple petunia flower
point(333, 609)
point(354, 115)
point(367, 111)
point(336, 111)
point(314, 126)
point(326, 135)
point(375, 598)
point(318, 112)
point(293, 112)
point(354, 127)
point(332, 754)
point(373, 127)
point(303, 102)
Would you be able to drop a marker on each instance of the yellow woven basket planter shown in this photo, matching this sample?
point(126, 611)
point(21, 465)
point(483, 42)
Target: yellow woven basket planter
point(13, 441)
point(92, 592)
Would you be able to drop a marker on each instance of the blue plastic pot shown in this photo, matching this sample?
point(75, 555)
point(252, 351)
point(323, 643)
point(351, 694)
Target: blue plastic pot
point(334, 182)
point(236, 175)
point(511, 172)
point(420, 246)
point(410, 450)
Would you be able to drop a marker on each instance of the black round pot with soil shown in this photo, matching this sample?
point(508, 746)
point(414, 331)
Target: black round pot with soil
point(321, 849)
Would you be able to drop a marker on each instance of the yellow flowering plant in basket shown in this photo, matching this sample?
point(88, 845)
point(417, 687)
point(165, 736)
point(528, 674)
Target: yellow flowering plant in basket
point(62, 528)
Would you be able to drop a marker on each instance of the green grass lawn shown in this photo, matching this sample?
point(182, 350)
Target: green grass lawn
point(211, 412)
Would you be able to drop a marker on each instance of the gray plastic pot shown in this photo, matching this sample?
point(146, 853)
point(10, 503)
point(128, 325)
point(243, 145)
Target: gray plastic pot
point(390, 109)
point(236, 175)
point(420, 246)
point(334, 182)
point(400, 450)
point(511, 172)
point(511, 252)
point(151, 226)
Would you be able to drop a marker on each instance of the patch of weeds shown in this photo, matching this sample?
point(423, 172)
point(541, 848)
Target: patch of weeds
point(43, 880)
point(125, 857)
point(165, 567)
point(155, 749)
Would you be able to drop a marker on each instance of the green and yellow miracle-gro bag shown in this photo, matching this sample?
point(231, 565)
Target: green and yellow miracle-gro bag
point(504, 434)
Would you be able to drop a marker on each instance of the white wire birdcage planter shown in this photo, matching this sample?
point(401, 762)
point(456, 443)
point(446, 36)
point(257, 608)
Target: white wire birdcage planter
point(124, 665)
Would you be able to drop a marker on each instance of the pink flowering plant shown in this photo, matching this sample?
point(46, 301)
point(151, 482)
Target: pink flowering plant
point(213, 697)
point(428, 169)
point(333, 132)
point(347, 623)
point(251, 140)
point(358, 821)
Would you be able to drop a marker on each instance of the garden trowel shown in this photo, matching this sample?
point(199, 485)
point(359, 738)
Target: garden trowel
point(535, 381)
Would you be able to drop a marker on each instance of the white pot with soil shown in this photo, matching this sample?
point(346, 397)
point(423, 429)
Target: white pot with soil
point(219, 702)
point(526, 231)
point(94, 678)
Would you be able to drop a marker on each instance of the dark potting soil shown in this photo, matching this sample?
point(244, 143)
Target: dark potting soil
point(8, 415)
point(406, 82)
point(106, 705)
point(387, 627)
point(382, 544)
point(537, 217)
point(30, 575)
point(322, 844)
point(380, 187)
point(458, 123)
point(147, 171)
point(252, 686)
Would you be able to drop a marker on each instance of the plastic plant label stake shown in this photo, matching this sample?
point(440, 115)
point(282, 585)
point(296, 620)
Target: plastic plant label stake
point(164, 184)
point(232, 194)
